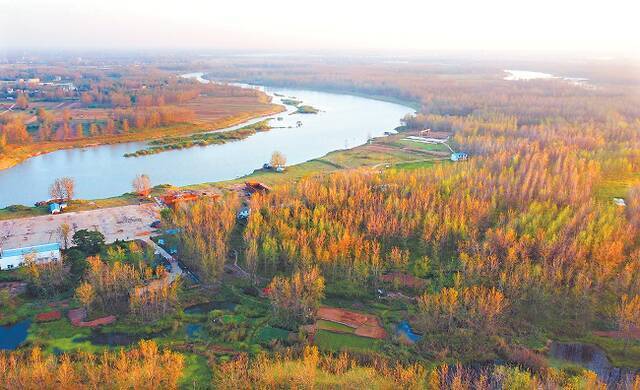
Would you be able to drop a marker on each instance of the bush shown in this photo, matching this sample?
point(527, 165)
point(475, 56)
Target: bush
point(347, 290)
point(90, 242)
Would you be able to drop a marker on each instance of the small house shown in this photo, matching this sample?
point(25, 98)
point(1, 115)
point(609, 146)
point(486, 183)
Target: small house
point(256, 186)
point(244, 213)
point(176, 198)
point(459, 156)
point(619, 202)
point(56, 208)
point(45, 253)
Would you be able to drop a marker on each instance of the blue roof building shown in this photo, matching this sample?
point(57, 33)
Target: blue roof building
point(56, 208)
point(12, 258)
point(459, 156)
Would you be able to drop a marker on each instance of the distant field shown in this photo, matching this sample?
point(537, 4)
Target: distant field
point(616, 187)
point(417, 164)
point(423, 146)
point(213, 108)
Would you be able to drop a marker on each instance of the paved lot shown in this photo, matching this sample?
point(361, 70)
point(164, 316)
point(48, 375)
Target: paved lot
point(124, 223)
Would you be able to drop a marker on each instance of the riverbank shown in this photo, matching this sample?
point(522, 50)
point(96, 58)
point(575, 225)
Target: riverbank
point(15, 154)
point(381, 153)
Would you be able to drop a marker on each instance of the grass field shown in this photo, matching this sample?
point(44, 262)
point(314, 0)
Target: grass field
point(616, 187)
point(616, 351)
point(196, 373)
point(60, 335)
point(268, 333)
point(334, 342)
point(418, 164)
point(423, 146)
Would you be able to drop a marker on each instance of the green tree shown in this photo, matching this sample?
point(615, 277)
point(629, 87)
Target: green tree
point(88, 241)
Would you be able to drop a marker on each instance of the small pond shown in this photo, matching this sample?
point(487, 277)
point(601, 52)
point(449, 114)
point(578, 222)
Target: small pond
point(194, 330)
point(204, 308)
point(116, 339)
point(11, 336)
point(592, 358)
point(404, 330)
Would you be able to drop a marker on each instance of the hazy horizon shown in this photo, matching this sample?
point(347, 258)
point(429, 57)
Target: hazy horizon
point(288, 26)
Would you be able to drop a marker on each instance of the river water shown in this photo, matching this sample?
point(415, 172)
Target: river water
point(345, 121)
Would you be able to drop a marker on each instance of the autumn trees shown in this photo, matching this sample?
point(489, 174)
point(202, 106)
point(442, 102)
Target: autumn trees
point(455, 313)
point(278, 160)
point(628, 316)
point(127, 287)
point(154, 300)
point(142, 185)
point(152, 117)
point(14, 131)
point(62, 189)
point(295, 300)
point(22, 101)
point(205, 228)
point(520, 229)
point(143, 367)
point(45, 278)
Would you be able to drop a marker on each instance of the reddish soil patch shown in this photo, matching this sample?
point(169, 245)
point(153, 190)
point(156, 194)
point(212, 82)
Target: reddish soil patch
point(98, 322)
point(49, 316)
point(341, 316)
point(374, 331)
point(77, 316)
point(366, 325)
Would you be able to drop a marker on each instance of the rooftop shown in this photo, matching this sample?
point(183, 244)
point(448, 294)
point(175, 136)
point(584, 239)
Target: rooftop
point(31, 249)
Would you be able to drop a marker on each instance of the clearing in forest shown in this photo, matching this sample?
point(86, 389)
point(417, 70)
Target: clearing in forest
point(365, 325)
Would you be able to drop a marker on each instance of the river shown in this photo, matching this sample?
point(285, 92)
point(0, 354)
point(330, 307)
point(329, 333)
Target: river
point(345, 121)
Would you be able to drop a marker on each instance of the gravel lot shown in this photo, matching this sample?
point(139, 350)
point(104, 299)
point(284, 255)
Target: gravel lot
point(124, 223)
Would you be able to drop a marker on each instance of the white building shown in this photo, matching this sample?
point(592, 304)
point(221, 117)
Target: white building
point(13, 258)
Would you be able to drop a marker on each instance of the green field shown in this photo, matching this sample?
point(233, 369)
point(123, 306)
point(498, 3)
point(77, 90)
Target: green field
point(417, 164)
point(268, 333)
point(615, 187)
point(196, 374)
point(334, 342)
point(423, 146)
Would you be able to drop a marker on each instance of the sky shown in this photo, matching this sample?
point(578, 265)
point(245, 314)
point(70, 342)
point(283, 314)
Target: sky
point(606, 27)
